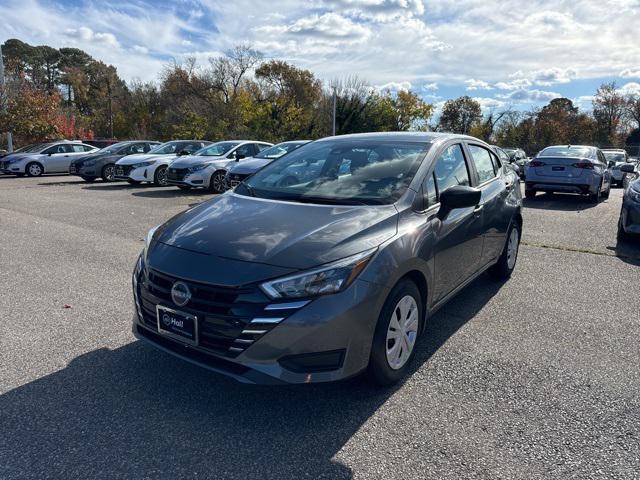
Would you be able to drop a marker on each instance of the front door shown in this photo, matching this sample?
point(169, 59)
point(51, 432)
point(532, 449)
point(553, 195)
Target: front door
point(458, 236)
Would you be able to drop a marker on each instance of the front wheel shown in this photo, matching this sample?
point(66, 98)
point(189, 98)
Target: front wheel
point(160, 177)
point(216, 184)
point(34, 169)
point(396, 334)
point(109, 173)
point(503, 269)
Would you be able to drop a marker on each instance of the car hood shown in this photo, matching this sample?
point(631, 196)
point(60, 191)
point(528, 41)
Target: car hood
point(282, 234)
point(14, 157)
point(191, 160)
point(144, 157)
point(92, 156)
point(246, 166)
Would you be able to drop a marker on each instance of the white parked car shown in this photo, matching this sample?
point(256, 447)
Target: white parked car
point(152, 166)
point(208, 167)
point(54, 157)
point(616, 158)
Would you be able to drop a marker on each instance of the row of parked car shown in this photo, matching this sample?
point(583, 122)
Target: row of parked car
point(183, 163)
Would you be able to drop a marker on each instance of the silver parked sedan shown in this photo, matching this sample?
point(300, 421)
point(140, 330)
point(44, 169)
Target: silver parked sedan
point(569, 169)
point(52, 157)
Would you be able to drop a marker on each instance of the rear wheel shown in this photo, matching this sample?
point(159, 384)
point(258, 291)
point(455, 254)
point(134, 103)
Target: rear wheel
point(396, 334)
point(216, 184)
point(34, 169)
point(109, 173)
point(503, 269)
point(530, 193)
point(160, 177)
point(595, 197)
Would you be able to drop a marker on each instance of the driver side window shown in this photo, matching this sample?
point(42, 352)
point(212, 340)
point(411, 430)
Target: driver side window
point(450, 170)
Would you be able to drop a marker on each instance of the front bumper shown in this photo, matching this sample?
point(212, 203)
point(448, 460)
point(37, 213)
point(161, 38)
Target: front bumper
point(13, 168)
point(630, 217)
point(337, 329)
point(195, 180)
point(83, 171)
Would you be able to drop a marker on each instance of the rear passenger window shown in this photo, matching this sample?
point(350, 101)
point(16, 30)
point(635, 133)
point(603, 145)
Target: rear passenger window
point(450, 171)
point(485, 163)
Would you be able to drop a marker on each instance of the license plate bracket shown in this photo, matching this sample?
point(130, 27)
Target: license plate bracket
point(557, 169)
point(181, 326)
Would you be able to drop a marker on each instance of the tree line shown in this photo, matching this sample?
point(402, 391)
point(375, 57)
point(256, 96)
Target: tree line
point(65, 93)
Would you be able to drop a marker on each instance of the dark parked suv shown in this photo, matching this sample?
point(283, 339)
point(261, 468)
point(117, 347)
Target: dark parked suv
point(101, 164)
point(334, 274)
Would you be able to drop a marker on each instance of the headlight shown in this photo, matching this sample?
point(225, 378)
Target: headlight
point(148, 240)
point(144, 164)
point(330, 278)
point(197, 168)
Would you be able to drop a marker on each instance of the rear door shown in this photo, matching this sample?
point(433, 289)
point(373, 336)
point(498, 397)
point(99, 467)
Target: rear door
point(458, 243)
point(496, 185)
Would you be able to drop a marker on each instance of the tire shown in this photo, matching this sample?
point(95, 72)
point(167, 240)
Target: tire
point(606, 194)
point(88, 179)
point(133, 182)
point(505, 265)
point(530, 194)
point(216, 182)
point(622, 235)
point(160, 177)
point(380, 370)
point(595, 197)
point(184, 187)
point(34, 169)
point(109, 172)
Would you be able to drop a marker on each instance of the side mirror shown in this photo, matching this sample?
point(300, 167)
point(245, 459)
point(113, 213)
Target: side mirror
point(627, 168)
point(458, 197)
point(239, 156)
point(611, 164)
point(183, 153)
point(49, 154)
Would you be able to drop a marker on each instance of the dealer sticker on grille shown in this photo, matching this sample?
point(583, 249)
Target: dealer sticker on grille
point(179, 325)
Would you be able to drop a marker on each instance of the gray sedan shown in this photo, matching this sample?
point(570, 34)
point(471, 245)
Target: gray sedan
point(333, 275)
point(45, 158)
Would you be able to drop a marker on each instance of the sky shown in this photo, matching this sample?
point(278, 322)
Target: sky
point(509, 54)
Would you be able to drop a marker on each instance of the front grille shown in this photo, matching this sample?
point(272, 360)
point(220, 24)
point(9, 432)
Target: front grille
point(4, 165)
point(176, 174)
point(226, 316)
point(123, 170)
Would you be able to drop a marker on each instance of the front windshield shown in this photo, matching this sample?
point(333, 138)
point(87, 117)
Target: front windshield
point(115, 148)
point(614, 157)
point(566, 152)
point(217, 149)
point(279, 150)
point(38, 147)
point(167, 148)
point(338, 171)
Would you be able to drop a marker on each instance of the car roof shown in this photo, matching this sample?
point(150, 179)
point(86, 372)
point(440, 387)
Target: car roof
point(429, 137)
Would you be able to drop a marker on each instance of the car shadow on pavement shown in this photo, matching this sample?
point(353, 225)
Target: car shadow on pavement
point(628, 250)
point(106, 186)
point(558, 201)
point(172, 192)
point(135, 412)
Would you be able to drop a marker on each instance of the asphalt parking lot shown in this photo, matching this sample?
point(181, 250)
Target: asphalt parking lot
point(538, 377)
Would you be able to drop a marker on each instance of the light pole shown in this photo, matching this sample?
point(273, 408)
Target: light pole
point(3, 100)
point(334, 111)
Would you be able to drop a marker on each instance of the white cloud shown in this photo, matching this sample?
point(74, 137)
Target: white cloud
point(631, 88)
point(473, 84)
point(524, 96)
point(430, 87)
point(140, 49)
point(630, 73)
point(395, 86)
point(489, 103)
point(87, 35)
point(327, 26)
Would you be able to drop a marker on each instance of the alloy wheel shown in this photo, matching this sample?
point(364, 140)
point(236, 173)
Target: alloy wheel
point(402, 332)
point(218, 182)
point(162, 177)
point(35, 170)
point(512, 248)
point(109, 173)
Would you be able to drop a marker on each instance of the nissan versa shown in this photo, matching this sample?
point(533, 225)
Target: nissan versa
point(338, 274)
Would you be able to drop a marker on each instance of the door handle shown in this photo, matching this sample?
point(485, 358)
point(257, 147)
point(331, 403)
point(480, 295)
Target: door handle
point(478, 208)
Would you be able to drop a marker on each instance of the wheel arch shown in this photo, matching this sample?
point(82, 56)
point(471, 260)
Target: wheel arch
point(38, 162)
point(419, 279)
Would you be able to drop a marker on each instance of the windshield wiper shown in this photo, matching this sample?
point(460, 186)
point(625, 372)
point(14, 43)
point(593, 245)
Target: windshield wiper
point(329, 201)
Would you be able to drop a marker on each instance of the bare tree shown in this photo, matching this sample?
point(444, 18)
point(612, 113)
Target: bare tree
point(228, 71)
